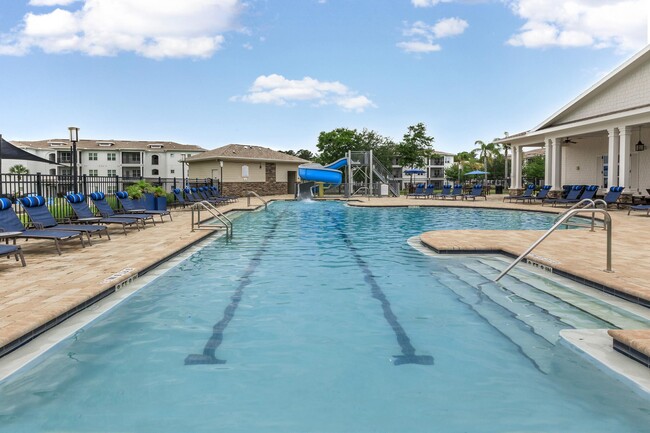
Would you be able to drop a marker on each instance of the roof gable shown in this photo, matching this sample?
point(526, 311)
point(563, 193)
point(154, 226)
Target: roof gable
point(246, 152)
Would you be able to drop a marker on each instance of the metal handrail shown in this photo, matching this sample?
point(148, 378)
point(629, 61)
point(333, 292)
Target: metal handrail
point(227, 223)
point(569, 214)
point(583, 204)
point(253, 193)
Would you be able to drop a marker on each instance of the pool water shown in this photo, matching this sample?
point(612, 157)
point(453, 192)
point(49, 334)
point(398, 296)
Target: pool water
point(318, 317)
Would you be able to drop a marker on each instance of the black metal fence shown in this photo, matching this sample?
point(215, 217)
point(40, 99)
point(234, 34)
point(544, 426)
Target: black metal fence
point(55, 187)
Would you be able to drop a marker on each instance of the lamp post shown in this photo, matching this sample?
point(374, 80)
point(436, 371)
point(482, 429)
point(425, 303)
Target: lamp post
point(74, 138)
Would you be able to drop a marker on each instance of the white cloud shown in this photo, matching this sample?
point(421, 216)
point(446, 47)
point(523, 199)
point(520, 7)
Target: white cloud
point(422, 36)
point(51, 2)
point(424, 3)
point(151, 28)
point(581, 23)
point(278, 90)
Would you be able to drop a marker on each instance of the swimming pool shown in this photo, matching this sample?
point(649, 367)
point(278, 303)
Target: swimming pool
point(318, 317)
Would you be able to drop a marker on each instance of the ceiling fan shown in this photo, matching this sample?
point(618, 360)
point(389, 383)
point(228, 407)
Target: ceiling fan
point(568, 140)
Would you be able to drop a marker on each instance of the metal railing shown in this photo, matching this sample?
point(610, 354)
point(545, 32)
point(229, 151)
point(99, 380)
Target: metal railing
point(586, 203)
point(565, 217)
point(254, 194)
point(216, 213)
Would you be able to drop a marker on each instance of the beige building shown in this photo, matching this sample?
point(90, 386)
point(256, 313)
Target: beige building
point(241, 168)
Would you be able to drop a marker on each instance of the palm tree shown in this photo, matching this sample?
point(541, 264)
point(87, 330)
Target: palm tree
point(18, 169)
point(462, 159)
point(486, 151)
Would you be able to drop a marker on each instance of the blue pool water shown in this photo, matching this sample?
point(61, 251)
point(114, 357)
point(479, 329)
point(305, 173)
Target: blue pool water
point(315, 317)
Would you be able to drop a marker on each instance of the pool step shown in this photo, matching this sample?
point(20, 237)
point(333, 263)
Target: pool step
point(545, 292)
point(538, 319)
point(533, 346)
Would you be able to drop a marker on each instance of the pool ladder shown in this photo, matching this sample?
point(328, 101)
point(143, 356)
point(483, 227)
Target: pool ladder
point(584, 206)
point(254, 194)
point(216, 213)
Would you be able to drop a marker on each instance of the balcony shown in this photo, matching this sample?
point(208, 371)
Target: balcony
point(131, 158)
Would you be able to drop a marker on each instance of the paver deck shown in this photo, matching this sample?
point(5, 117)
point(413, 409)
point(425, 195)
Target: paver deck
point(52, 286)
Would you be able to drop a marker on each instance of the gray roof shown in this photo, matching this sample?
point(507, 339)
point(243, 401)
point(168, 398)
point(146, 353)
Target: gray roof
point(115, 144)
point(244, 152)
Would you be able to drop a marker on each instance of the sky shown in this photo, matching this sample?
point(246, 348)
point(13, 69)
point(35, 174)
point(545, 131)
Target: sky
point(276, 73)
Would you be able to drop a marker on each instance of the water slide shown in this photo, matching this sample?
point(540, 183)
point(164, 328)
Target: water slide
point(327, 174)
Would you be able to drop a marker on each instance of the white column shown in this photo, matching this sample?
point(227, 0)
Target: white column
point(547, 162)
point(612, 157)
point(556, 164)
point(513, 150)
point(625, 146)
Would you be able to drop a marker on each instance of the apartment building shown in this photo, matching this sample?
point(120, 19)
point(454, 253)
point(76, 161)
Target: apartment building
point(433, 171)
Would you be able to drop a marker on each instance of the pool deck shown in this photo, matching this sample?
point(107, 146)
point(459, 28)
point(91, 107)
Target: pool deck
point(52, 288)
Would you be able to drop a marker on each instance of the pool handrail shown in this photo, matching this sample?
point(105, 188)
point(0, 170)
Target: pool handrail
point(254, 194)
point(216, 213)
point(566, 216)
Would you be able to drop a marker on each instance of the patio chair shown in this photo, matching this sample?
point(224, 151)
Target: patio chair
point(528, 193)
point(42, 218)
point(641, 208)
point(457, 191)
point(588, 193)
point(15, 250)
point(613, 195)
point(213, 191)
point(9, 222)
point(477, 191)
point(427, 192)
point(202, 192)
point(446, 191)
point(84, 214)
point(419, 190)
point(178, 194)
point(105, 209)
point(131, 207)
point(541, 195)
point(191, 196)
point(573, 194)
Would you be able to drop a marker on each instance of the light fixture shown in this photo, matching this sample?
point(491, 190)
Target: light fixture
point(74, 133)
point(639, 147)
point(74, 138)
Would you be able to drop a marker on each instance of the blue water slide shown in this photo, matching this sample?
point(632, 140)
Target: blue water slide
point(318, 173)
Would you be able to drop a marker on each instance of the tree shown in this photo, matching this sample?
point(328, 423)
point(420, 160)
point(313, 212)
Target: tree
point(415, 146)
point(335, 144)
point(464, 161)
point(534, 168)
point(486, 151)
point(305, 154)
point(18, 169)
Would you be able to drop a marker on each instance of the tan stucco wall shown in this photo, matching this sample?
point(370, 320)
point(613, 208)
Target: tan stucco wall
point(282, 169)
point(232, 170)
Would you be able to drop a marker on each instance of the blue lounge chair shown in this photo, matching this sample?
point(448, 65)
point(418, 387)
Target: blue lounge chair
point(178, 193)
point(541, 195)
point(588, 193)
point(190, 196)
point(203, 193)
point(573, 194)
point(105, 209)
point(427, 192)
point(41, 218)
point(419, 190)
point(132, 208)
point(446, 191)
point(528, 193)
point(456, 192)
point(640, 207)
point(477, 191)
point(15, 250)
point(613, 195)
point(10, 222)
point(84, 214)
point(213, 191)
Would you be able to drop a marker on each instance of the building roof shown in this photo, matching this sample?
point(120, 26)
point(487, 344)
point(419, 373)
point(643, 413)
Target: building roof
point(109, 145)
point(245, 152)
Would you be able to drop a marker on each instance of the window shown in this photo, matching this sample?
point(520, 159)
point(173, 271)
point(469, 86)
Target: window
point(111, 157)
point(65, 157)
point(171, 171)
point(112, 172)
point(92, 156)
point(93, 173)
point(154, 172)
point(154, 160)
point(53, 171)
point(105, 143)
point(131, 158)
point(52, 157)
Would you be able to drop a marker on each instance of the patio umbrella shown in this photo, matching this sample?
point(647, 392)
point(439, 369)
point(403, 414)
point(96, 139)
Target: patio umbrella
point(478, 172)
point(9, 151)
point(413, 171)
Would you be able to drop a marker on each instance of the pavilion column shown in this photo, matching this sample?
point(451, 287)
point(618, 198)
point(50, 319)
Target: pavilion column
point(625, 146)
point(556, 164)
point(513, 150)
point(612, 157)
point(547, 163)
point(516, 162)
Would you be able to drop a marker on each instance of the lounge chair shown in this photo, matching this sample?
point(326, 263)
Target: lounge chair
point(427, 192)
point(203, 193)
point(178, 193)
point(42, 218)
point(15, 250)
point(190, 196)
point(84, 214)
point(457, 191)
point(477, 191)
point(573, 194)
point(640, 207)
point(105, 209)
point(613, 195)
point(542, 193)
point(131, 207)
point(588, 193)
point(10, 222)
point(528, 193)
point(419, 190)
point(213, 192)
point(446, 191)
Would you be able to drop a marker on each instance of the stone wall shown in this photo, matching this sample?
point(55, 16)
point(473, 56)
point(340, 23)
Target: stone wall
point(268, 187)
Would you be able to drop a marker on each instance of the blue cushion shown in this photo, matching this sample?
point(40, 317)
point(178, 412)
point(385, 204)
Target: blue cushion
point(177, 191)
point(193, 189)
point(187, 190)
point(33, 201)
point(122, 194)
point(531, 186)
point(5, 203)
point(616, 189)
point(577, 187)
point(75, 198)
point(592, 187)
point(97, 195)
point(547, 186)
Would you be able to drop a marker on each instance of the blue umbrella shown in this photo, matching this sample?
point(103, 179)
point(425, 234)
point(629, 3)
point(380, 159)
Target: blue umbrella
point(414, 171)
point(478, 172)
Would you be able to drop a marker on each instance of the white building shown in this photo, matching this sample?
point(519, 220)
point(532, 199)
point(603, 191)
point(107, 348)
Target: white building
point(599, 138)
point(111, 157)
point(434, 170)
